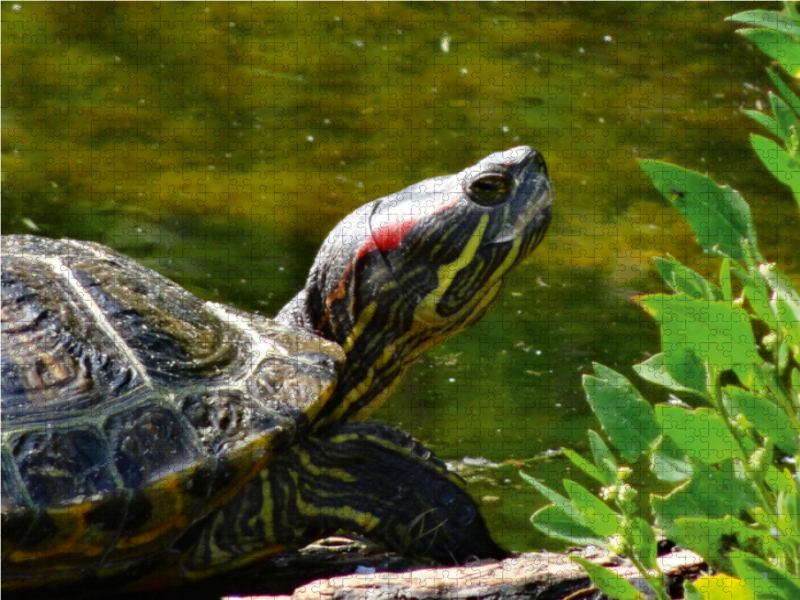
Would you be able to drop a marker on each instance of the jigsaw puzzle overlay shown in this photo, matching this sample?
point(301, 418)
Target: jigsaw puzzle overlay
point(220, 144)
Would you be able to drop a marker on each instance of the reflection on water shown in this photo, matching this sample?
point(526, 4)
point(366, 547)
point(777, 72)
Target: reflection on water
point(219, 143)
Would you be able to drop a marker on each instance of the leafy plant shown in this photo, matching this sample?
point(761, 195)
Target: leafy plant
point(732, 348)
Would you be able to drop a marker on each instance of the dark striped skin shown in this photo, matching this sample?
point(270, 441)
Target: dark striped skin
point(308, 504)
point(150, 438)
point(377, 286)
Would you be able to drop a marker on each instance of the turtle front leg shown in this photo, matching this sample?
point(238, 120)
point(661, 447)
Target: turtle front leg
point(364, 478)
point(377, 481)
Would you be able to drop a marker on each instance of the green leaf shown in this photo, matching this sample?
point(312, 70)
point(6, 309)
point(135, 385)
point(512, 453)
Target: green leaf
point(705, 537)
point(669, 462)
point(626, 417)
point(779, 46)
point(758, 295)
point(554, 523)
point(718, 215)
point(789, 510)
point(587, 467)
point(683, 279)
point(786, 118)
point(603, 458)
point(780, 283)
point(595, 513)
point(778, 162)
point(780, 481)
point(725, 279)
point(789, 319)
point(690, 592)
point(560, 502)
point(687, 369)
point(640, 535)
point(702, 433)
point(783, 526)
point(718, 333)
point(785, 91)
point(769, 19)
point(718, 587)
point(713, 492)
point(611, 376)
point(654, 371)
point(764, 120)
point(767, 417)
point(607, 581)
point(764, 579)
point(712, 538)
point(786, 305)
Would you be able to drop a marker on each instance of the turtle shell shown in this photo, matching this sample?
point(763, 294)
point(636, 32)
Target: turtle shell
point(131, 408)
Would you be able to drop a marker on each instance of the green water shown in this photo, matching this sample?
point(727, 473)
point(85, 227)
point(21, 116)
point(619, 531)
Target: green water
point(220, 142)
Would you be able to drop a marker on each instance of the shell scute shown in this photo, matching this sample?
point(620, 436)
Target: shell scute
point(63, 467)
point(54, 359)
point(169, 330)
point(148, 441)
point(226, 420)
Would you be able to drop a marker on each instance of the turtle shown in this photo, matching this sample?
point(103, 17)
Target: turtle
point(151, 438)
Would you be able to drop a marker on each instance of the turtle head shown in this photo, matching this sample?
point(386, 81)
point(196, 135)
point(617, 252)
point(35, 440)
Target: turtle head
point(407, 271)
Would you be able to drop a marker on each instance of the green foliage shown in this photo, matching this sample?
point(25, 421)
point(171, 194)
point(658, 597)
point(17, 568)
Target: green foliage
point(732, 348)
point(626, 417)
point(718, 215)
point(607, 581)
point(779, 162)
point(721, 336)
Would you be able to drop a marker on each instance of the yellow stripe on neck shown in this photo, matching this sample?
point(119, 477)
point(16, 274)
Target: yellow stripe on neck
point(364, 317)
point(426, 311)
point(424, 317)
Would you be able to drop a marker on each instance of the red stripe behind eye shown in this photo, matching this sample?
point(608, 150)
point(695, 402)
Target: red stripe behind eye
point(388, 237)
point(384, 238)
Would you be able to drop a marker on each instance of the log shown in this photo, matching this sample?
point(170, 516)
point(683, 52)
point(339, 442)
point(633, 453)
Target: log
point(343, 569)
point(539, 575)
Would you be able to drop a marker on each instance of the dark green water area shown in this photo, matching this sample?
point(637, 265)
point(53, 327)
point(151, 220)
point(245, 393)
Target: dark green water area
point(218, 143)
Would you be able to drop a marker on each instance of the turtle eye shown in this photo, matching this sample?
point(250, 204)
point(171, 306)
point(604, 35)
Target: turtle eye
point(490, 190)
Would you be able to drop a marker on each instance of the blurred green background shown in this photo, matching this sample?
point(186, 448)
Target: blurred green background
point(219, 142)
